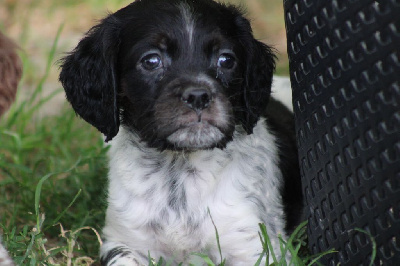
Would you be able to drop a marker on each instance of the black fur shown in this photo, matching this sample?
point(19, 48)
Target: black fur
point(115, 252)
point(102, 86)
point(282, 123)
point(89, 78)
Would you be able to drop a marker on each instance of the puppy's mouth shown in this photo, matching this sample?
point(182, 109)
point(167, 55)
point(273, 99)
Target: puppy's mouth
point(196, 135)
point(189, 130)
point(193, 129)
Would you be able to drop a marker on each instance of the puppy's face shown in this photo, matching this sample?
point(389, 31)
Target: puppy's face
point(180, 78)
point(181, 74)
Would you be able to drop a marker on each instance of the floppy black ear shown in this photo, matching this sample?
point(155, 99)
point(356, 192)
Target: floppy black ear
point(258, 70)
point(258, 81)
point(89, 79)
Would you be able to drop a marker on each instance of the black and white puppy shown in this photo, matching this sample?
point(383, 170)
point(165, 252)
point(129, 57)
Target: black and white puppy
point(182, 86)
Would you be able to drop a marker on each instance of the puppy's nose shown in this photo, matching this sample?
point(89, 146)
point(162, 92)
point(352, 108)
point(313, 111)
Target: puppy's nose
point(196, 98)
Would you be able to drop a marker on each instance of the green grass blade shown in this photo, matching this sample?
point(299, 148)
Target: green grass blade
point(15, 112)
point(319, 256)
point(39, 189)
point(284, 247)
point(258, 262)
point(268, 243)
point(217, 236)
point(205, 258)
point(292, 247)
point(374, 247)
point(50, 59)
point(65, 210)
point(29, 248)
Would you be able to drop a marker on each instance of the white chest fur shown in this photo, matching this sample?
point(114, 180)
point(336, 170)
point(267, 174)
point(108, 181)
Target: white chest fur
point(159, 201)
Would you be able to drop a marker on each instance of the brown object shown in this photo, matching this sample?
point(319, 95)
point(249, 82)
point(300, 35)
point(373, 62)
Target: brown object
point(10, 72)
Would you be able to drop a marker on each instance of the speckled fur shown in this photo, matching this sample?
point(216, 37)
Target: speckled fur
point(159, 201)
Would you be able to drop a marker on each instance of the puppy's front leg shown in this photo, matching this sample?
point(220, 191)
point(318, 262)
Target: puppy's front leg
point(117, 254)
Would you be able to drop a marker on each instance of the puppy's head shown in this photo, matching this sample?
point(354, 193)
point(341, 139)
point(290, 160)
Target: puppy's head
point(10, 72)
point(181, 74)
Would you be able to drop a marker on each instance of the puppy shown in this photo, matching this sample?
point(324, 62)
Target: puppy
point(10, 72)
point(181, 88)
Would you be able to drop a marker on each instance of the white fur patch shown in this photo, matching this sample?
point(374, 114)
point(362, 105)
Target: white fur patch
point(188, 21)
point(198, 135)
point(282, 91)
point(159, 201)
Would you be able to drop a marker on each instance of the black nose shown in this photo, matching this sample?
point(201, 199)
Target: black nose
point(196, 98)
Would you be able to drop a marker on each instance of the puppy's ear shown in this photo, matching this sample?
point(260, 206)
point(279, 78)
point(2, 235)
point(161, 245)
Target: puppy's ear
point(260, 65)
point(89, 78)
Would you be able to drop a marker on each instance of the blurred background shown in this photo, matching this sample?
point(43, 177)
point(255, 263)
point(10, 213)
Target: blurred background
point(34, 24)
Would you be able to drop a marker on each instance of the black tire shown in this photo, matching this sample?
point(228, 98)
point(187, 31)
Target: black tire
point(345, 72)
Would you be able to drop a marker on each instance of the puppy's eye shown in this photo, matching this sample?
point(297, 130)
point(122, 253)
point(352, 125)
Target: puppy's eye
point(151, 62)
point(226, 61)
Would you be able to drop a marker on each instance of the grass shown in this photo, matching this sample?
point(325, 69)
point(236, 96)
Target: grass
point(52, 176)
point(53, 168)
point(294, 248)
